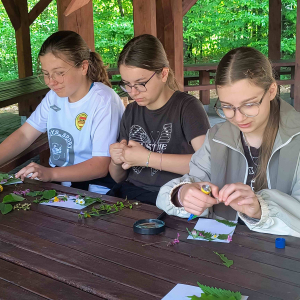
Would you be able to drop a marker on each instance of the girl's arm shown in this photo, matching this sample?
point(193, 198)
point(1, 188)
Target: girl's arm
point(137, 155)
point(95, 167)
point(200, 167)
point(17, 142)
point(115, 167)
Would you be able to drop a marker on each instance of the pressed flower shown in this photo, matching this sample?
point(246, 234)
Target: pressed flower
point(77, 201)
point(229, 239)
point(81, 201)
point(56, 199)
point(214, 236)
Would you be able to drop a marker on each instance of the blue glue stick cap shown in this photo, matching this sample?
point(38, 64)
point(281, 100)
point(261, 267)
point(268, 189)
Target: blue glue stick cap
point(280, 243)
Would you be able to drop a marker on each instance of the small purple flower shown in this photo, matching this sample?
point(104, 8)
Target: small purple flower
point(194, 232)
point(82, 213)
point(77, 196)
point(229, 238)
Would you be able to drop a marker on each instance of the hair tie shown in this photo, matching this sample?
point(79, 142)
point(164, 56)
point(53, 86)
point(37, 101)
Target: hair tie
point(249, 74)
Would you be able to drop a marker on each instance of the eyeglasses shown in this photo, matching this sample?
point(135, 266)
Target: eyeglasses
point(56, 76)
point(140, 87)
point(227, 111)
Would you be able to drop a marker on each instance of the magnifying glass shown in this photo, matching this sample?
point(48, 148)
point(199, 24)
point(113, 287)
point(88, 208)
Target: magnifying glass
point(150, 226)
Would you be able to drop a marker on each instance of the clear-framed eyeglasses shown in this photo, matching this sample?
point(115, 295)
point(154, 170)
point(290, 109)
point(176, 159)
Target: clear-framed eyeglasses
point(227, 111)
point(140, 87)
point(59, 77)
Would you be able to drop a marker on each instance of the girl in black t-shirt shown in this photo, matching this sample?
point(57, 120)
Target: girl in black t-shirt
point(160, 131)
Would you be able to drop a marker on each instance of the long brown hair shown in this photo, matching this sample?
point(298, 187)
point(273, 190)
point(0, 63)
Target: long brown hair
point(249, 63)
point(75, 49)
point(147, 52)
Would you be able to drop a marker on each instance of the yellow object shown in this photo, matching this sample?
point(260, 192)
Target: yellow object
point(1, 188)
point(206, 189)
point(56, 199)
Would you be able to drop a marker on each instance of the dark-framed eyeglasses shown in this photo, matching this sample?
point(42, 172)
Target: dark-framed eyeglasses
point(140, 87)
point(56, 76)
point(227, 111)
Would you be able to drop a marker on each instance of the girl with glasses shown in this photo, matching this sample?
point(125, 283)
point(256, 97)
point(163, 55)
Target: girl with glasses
point(251, 161)
point(81, 114)
point(160, 131)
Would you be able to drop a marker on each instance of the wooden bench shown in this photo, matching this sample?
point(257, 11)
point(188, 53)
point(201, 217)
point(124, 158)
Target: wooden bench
point(23, 90)
point(27, 92)
point(206, 72)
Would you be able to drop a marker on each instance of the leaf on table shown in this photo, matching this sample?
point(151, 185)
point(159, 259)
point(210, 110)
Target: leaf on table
point(35, 193)
point(227, 262)
point(48, 194)
point(226, 222)
point(5, 208)
point(219, 293)
point(12, 198)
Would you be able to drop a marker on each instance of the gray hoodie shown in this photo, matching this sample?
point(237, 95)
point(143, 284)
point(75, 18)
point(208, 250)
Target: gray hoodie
point(221, 161)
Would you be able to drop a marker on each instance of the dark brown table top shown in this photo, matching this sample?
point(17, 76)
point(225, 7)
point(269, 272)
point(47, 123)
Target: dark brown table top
point(47, 253)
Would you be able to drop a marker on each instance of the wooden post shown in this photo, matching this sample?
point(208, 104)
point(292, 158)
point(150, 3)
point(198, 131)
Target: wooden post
point(274, 29)
point(80, 21)
point(297, 62)
point(170, 33)
point(144, 16)
point(26, 107)
point(274, 37)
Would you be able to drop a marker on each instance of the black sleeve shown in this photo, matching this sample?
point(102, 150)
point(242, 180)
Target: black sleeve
point(194, 119)
point(124, 134)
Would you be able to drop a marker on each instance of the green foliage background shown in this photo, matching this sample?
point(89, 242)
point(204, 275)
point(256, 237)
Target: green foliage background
point(211, 28)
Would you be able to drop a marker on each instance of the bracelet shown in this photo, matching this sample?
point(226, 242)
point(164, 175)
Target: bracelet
point(178, 196)
point(147, 163)
point(160, 161)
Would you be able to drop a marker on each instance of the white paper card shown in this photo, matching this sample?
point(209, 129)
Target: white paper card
point(214, 227)
point(182, 291)
point(70, 203)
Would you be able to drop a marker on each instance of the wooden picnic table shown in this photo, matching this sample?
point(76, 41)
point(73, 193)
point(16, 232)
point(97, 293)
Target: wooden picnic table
point(48, 253)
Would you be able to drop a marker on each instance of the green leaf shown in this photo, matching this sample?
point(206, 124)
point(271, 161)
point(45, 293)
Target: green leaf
point(219, 293)
point(222, 236)
point(5, 208)
point(48, 194)
point(226, 222)
point(227, 262)
point(35, 193)
point(12, 198)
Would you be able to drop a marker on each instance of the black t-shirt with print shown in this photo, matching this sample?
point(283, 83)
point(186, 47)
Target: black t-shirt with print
point(252, 163)
point(168, 129)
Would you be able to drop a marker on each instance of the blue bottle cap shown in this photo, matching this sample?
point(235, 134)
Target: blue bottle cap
point(280, 243)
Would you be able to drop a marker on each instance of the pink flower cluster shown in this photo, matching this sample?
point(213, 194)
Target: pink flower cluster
point(22, 193)
point(175, 241)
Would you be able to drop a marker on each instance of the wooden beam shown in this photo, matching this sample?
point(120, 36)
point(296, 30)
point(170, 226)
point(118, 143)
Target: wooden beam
point(297, 61)
point(186, 5)
point(38, 9)
point(80, 21)
point(24, 53)
point(170, 33)
point(144, 16)
point(274, 29)
point(13, 13)
point(74, 5)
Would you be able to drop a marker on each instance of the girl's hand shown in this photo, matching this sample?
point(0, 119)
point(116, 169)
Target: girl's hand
point(134, 155)
point(38, 171)
point(241, 198)
point(194, 200)
point(116, 152)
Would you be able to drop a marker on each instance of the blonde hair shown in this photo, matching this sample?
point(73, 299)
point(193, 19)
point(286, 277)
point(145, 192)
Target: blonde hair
point(249, 63)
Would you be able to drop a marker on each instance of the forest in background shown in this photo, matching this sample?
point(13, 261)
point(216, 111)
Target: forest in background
point(211, 28)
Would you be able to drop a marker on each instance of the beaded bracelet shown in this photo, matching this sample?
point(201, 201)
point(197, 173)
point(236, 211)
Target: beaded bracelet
point(147, 163)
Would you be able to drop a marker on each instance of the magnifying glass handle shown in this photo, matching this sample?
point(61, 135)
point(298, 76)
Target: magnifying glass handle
point(162, 215)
